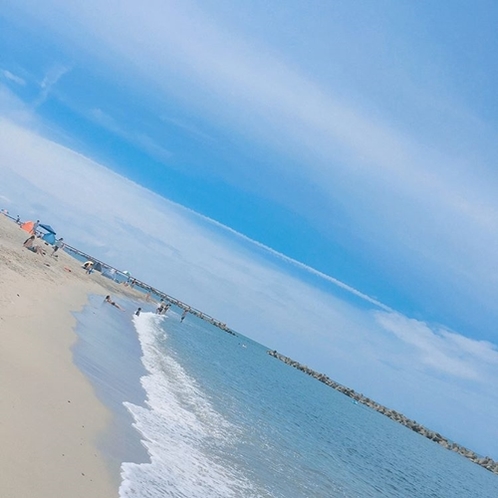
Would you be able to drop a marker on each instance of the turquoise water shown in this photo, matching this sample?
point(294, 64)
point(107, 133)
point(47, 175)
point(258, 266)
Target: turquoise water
point(221, 418)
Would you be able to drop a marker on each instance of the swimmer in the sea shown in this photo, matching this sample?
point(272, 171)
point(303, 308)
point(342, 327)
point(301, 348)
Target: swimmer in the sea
point(110, 301)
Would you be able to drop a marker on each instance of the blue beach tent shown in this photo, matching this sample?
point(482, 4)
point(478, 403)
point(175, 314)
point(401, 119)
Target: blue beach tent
point(49, 237)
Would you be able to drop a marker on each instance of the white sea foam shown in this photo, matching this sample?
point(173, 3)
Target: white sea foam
point(180, 429)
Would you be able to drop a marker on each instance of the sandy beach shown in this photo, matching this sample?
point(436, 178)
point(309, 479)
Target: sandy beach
point(50, 418)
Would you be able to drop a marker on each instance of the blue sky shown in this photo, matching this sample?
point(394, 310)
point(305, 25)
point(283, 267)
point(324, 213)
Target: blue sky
point(356, 141)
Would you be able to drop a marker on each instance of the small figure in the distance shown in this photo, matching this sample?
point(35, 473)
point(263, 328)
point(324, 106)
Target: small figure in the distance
point(88, 266)
point(110, 301)
point(183, 315)
point(137, 313)
point(58, 245)
point(163, 308)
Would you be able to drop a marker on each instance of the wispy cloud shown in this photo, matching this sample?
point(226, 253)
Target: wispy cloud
point(52, 76)
point(14, 108)
point(302, 266)
point(12, 77)
point(189, 128)
point(441, 349)
point(141, 140)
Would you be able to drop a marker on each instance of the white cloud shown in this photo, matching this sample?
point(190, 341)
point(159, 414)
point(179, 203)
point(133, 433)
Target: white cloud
point(442, 350)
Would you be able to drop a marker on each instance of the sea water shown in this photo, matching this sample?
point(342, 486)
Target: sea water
point(219, 417)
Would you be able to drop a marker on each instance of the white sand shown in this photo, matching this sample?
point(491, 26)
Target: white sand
point(50, 417)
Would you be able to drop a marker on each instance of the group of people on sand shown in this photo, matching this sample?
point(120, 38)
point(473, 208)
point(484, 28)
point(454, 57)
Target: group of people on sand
point(30, 244)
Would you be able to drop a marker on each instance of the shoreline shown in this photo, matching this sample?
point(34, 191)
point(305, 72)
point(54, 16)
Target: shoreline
point(108, 353)
point(51, 418)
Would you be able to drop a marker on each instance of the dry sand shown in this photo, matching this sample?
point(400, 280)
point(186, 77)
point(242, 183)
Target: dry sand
point(50, 417)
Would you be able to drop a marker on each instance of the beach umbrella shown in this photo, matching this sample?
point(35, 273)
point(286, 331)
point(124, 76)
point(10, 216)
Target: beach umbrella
point(28, 226)
point(47, 228)
point(49, 236)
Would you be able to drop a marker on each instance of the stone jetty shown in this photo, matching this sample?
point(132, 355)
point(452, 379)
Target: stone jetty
point(485, 462)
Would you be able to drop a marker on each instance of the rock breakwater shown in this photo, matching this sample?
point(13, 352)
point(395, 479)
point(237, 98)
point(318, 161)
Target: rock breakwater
point(485, 462)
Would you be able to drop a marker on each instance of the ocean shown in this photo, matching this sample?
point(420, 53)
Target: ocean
point(202, 413)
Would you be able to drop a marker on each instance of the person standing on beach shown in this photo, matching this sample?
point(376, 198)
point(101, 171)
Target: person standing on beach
point(58, 245)
point(35, 227)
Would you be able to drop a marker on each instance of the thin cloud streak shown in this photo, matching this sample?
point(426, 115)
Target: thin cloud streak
point(143, 141)
point(53, 75)
point(12, 77)
point(300, 265)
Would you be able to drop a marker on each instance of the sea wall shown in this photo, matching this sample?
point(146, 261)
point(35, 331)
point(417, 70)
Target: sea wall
point(485, 462)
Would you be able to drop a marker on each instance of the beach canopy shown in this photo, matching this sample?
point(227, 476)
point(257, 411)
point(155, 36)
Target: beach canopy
point(28, 226)
point(47, 228)
point(49, 237)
